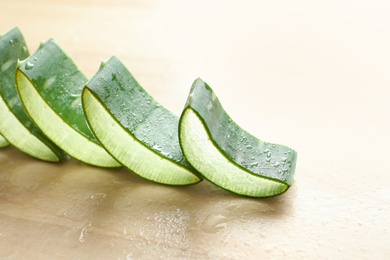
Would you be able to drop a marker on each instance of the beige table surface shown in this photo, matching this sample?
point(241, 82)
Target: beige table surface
point(314, 75)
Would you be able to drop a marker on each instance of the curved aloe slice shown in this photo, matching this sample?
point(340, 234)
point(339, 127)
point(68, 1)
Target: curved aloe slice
point(15, 125)
point(227, 155)
point(50, 87)
point(3, 142)
point(135, 129)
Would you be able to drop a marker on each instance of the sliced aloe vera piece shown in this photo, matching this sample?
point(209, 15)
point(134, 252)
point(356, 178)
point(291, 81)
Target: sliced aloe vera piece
point(134, 128)
point(15, 125)
point(227, 155)
point(3, 142)
point(50, 87)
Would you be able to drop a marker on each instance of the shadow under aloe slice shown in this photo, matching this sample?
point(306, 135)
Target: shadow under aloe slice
point(50, 87)
point(140, 133)
point(227, 155)
point(16, 126)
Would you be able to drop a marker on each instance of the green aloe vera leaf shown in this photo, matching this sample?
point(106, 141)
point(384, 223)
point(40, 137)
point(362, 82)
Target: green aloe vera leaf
point(140, 133)
point(227, 155)
point(50, 87)
point(16, 125)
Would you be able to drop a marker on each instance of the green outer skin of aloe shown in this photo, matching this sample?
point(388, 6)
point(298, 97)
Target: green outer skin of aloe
point(137, 111)
point(12, 48)
point(264, 159)
point(60, 83)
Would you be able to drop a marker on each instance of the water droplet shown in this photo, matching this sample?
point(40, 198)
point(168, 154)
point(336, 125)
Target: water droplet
point(82, 235)
point(221, 226)
point(213, 97)
point(268, 159)
point(13, 102)
point(35, 58)
point(276, 164)
point(209, 106)
point(11, 42)
point(76, 103)
point(29, 66)
point(254, 164)
point(214, 223)
point(156, 147)
point(269, 154)
point(7, 65)
point(49, 82)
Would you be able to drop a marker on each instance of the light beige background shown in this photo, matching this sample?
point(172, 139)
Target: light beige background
point(313, 75)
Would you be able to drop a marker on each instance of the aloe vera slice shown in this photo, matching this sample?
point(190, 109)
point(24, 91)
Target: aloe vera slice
point(15, 125)
point(50, 87)
point(134, 128)
point(228, 156)
point(3, 142)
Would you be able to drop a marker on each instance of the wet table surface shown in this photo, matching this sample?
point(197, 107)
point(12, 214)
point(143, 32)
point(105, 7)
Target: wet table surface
point(313, 76)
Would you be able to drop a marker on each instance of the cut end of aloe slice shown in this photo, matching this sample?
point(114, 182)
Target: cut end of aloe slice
point(134, 128)
point(50, 87)
point(23, 139)
point(210, 162)
point(15, 125)
point(128, 150)
point(71, 141)
point(227, 155)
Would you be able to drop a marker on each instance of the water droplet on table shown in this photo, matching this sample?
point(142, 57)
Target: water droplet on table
point(82, 235)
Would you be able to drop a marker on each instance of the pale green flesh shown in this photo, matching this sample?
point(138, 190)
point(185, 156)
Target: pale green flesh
point(201, 152)
point(26, 141)
point(71, 141)
point(3, 142)
point(128, 150)
point(15, 125)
